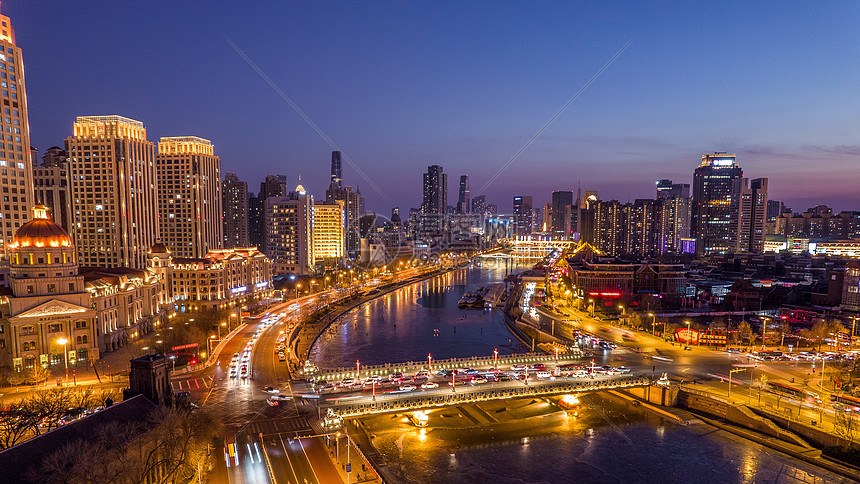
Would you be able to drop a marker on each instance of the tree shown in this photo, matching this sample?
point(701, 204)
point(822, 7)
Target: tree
point(847, 427)
point(746, 332)
point(823, 328)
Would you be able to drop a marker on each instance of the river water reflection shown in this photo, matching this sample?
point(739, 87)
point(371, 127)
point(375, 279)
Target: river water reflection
point(608, 441)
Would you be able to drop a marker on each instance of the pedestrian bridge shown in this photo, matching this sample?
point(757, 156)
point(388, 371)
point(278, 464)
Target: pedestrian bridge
point(569, 355)
point(354, 406)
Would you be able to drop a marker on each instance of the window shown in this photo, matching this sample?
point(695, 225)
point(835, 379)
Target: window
point(80, 324)
point(54, 328)
point(71, 286)
point(28, 330)
point(29, 289)
point(52, 288)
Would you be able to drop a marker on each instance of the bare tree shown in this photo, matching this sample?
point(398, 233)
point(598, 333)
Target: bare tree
point(847, 427)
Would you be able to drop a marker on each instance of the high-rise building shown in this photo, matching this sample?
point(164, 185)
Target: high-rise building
point(775, 208)
point(523, 215)
point(189, 196)
point(667, 189)
point(17, 181)
point(256, 230)
point(711, 221)
point(435, 202)
point(234, 202)
point(672, 225)
point(113, 187)
point(328, 238)
point(51, 189)
point(463, 195)
point(272, 186)
point(749, 210)
point(546, 221)
point(289, 232)
point(353, 206)
point(479, 205)
point(336, 169)
point(561, 214)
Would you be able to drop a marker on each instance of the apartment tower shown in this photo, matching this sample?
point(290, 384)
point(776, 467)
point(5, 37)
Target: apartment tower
point(189, 196)
point(113, 191)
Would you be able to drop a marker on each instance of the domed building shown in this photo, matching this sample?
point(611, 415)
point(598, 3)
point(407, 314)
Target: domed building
point(51, 308)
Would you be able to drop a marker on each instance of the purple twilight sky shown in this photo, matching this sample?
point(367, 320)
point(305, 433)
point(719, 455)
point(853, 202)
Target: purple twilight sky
point(398, 86)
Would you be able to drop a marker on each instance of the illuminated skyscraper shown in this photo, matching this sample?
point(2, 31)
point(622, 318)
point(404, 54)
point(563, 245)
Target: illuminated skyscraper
point(234, 203)
point(112, 175)
point(750, 213)
point(189, 196)
point(562, 201)
point(712, 223)
point(17, 180)
point(435, 201)
point(463, 195)
point(329, 240)
point(523, 215)
point(289, 232)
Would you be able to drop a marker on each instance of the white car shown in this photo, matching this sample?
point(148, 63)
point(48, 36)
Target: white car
point(518, 367)
point(346, 383)
point(429, 385)
point(407, 388)
point(543, 374)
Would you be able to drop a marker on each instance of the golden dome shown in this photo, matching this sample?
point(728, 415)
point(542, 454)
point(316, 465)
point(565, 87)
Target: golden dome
point(41, 232)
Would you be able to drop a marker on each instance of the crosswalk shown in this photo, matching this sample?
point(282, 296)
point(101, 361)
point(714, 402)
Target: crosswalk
point(280, 426)
point(191, 384)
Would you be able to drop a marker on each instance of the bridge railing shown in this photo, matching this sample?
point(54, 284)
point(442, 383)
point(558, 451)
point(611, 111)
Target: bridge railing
point(423, 401)
point(436, 365)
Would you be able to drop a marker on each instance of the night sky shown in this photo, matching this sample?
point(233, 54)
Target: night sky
point(398, 86)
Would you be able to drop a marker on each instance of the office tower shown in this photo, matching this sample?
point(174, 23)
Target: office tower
point(672, 224)
point(336, 169)
point(272, 186)
point(588, 196)
point(479, 204)
point(234, 202)
point(256, 230)
point(546, 219)
point(17, 180)
point(189, 196)
point(667, 189)
point(51, 187)
point(328, 238)
point(435, 201)
point(353, 204)
point(463, 198)
point(775, 208)
point(289, 232)
point(608, 227)
point(54, 156)
point(561, 213)
point(749, 210)
point(711, 221)
point(536, 220)
point(112, 173)
point(522, 215)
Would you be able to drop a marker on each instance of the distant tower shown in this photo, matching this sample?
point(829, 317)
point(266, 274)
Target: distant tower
point(234, 194)
point(336, 169)
point(522, 215)
point(435, 204)
point(463, 198)
point(712, 222)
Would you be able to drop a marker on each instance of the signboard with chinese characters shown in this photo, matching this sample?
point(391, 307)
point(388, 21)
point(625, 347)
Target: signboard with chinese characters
point(687, 336)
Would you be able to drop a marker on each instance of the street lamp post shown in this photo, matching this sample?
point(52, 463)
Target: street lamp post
point(429, 362)
point(690, 336)
point(653, 324)
point(734, 370)
point(298, 286)
point(495, 357)
point(64, 342)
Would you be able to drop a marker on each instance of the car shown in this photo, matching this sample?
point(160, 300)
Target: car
point(233, 373)
point(328, 387)
point(272, 390)
point(479, 380)
point(347, 383)
point(622, 369)
point(687, 348)
point(429, 385)
point(443, 373)
point(543, 374)
point(538, 366)
point(243, 374)
point(281, 398)
point(503, 377)
point(407, 388)
point(518, 367)
point(235, 357)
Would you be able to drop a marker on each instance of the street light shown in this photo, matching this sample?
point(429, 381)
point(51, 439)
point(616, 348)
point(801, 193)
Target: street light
point(690, 337)
point(734, 370)
point(298, 286)
point(219, 330)
point(64, 342)
point(653, 324)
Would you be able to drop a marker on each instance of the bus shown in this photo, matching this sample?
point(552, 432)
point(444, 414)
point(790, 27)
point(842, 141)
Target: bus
point(768, 355)
point(231, 449)
point(845, 402)
point(789, 390)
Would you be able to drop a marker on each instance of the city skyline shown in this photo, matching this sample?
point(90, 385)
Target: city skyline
point(618, 138)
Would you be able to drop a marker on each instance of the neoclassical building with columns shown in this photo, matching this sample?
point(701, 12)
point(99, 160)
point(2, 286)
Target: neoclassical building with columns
point(49, 309)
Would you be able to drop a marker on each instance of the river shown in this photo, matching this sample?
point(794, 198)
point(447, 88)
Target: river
point(606, 440)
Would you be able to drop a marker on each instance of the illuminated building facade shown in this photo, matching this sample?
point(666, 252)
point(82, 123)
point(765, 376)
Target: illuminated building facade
point(290, 233)
point(221, 279)
point(51, 189)
point(712, 222)
point(434, 206)
point(234, 202)
point(851, 287)
point(328, 237)
point(16, 181)
point(562, 201)
point(113, 191)
point(750, 212)
point(49, 301)
point(189, 196)
point(523, 216)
